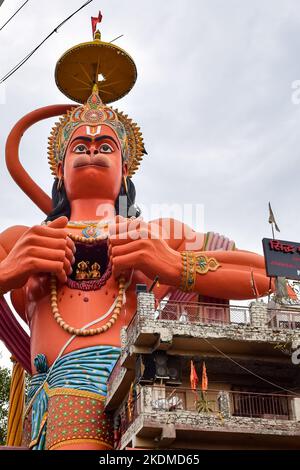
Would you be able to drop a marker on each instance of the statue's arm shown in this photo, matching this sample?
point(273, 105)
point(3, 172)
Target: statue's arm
point(8, 238)
point(157, 252)
point(241, 274)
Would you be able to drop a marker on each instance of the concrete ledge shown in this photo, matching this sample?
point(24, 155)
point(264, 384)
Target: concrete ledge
point(191, 421)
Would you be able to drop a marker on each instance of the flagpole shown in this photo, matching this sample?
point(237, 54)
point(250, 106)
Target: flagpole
point(272, 226)
point(270, 283)
point(272, 221)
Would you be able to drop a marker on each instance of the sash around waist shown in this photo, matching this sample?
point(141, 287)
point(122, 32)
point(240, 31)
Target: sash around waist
point(84, 369)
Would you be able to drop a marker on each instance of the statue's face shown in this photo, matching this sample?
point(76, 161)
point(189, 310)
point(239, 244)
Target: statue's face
point(93, 164)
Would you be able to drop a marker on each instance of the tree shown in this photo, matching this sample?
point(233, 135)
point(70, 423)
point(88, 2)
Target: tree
point(5, 376)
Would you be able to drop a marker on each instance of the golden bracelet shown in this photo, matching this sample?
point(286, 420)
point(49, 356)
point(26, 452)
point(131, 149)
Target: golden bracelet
point(193, 263)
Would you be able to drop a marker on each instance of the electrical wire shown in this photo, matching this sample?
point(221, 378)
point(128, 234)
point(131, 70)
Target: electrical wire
point(113, 40)
point(9, 19)
point(55, 30)
point(248, 370)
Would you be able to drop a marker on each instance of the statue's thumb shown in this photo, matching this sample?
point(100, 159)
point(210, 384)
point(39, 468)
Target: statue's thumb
point(60, 222)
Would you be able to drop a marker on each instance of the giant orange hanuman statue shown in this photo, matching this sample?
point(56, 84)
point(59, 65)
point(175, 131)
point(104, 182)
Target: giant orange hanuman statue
point(68, 275)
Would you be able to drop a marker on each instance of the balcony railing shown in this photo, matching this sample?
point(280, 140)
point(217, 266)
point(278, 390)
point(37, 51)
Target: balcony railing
point(127, 414)
point(131, 330)
point(113, 375)
point(170, 400)
point(175, 399)
point(261, 405)
point(284, 318)
point(195, 312)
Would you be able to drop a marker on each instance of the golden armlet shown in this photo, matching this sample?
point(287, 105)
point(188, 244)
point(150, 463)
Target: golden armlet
point(193, 263)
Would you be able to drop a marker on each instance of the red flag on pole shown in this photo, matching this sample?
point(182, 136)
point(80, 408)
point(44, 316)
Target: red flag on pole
point(204, 384)
point(193, 377)
point(95, 21)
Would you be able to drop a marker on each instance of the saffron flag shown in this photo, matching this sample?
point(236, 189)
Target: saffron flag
point(193, 377)
point(130, 403)
point(204, 384)
point(95, 21)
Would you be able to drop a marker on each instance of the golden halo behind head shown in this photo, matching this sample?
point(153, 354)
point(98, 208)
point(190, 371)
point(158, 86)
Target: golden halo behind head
point(95, 62)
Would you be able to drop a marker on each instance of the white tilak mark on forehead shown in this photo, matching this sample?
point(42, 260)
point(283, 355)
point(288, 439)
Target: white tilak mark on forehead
point(91, 130)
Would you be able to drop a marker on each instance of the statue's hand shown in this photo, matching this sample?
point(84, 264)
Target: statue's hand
point(41, 249)
point(137, 244)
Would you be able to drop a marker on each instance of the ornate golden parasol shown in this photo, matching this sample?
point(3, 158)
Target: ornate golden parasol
point(95, 62)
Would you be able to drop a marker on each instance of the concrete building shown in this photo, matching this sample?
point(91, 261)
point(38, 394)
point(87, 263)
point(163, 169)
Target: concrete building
point(253, 396)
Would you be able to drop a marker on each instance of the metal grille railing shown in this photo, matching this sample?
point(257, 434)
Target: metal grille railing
point(195, 312)
point(244, 404)
point(284, 319)
point(261, 405)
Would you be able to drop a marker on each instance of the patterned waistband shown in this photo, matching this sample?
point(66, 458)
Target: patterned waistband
point(84, 369)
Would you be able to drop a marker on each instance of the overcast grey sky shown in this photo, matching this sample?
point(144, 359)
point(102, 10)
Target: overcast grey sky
point(213, 99)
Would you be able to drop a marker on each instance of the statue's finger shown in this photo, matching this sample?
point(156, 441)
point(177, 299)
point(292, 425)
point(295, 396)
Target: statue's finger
point(127, 248)
point(124, 237)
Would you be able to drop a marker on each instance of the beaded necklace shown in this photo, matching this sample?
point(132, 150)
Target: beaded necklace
point(54, 301)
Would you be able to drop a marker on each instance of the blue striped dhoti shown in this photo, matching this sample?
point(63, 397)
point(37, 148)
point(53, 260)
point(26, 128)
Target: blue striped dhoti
point(85, 370)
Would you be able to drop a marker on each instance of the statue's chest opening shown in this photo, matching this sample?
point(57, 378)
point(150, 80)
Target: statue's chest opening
point(91, 268)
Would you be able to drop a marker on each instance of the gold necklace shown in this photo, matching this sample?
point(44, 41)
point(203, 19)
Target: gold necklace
point(85, 223)
point(89, 241)
point(91, 331)
point(90, 228)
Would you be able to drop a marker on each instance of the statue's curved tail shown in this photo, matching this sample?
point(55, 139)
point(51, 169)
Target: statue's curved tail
point(15, 167)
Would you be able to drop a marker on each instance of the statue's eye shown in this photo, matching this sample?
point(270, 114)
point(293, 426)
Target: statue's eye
point(80, 148)
point(105, 148)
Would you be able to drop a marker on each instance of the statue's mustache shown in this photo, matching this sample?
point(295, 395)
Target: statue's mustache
point(85, 160)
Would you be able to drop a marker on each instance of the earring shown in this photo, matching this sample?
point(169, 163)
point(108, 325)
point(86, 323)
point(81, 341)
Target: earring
point(59, 183)
point(125, 184)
